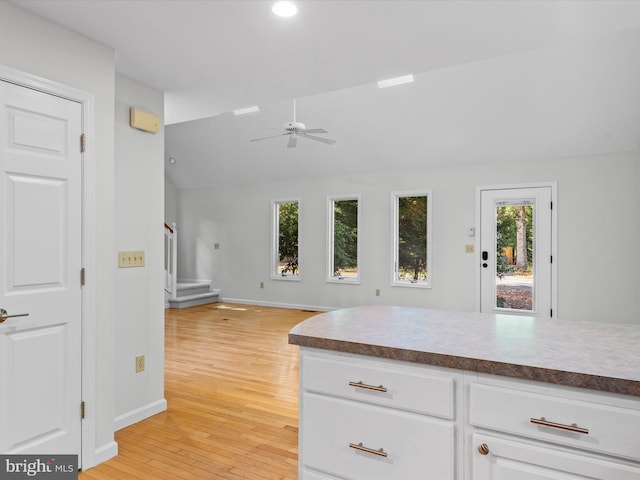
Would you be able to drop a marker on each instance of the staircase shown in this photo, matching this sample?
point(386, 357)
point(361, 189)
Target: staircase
point(192, 294)
point(182, 294)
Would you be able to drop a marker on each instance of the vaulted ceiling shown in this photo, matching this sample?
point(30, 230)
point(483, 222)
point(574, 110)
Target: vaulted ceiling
point(494, 80)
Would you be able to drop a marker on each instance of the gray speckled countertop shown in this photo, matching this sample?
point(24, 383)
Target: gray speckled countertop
point(598, 356)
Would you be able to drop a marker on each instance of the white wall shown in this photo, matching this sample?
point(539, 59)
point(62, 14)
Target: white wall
point(42, 48)
point(128, 318)
point(598, 232)
point(170, 201)
point(139, 314)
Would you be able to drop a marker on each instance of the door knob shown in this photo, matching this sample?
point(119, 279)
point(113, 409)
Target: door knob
point(4, 315)
point(483, 449)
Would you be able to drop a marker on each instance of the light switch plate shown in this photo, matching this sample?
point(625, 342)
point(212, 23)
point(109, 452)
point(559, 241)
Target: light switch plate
point(131, 259)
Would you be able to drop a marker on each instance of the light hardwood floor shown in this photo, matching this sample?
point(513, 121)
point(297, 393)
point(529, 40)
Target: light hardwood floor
point(231, 383)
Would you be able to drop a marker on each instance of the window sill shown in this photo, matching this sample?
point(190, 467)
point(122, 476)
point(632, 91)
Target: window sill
point(411, 285)
point(350, 281)
point(286, 278)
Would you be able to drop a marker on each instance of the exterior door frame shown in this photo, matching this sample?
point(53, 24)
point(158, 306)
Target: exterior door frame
point(88, 295)
point(554, 237)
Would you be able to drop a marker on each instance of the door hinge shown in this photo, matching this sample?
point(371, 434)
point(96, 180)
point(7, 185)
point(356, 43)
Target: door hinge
point(551, 259)
point(82, 410)
point(551, 205)
point(82, 142)
point(551, 313)
point(82, 277)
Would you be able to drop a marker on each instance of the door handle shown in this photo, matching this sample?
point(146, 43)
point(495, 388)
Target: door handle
point(4, 315)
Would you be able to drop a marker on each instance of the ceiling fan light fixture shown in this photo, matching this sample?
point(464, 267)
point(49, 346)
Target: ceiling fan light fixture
point(295, 129)
point(392, 82)
point(284, 9)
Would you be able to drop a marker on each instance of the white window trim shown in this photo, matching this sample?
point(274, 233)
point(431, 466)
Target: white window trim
point(331, 278)
point(275, 257)
point(394, 237)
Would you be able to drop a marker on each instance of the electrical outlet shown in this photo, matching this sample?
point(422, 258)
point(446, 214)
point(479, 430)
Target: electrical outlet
point(130, 259)
point(216, 246)
point(261, 284)
point(140, 363)
point(377, 292)
point(468, 248)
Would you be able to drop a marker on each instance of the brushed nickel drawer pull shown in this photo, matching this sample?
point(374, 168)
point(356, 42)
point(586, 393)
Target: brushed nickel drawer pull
point(561, 426)
point(4, 315)
point(358, 446)
point(359, 384)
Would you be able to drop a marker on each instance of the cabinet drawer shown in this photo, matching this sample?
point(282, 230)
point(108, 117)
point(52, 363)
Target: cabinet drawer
point(311, 475)
point(402, 387)
point(592, 426)
point(517, 460)
point(343, 438)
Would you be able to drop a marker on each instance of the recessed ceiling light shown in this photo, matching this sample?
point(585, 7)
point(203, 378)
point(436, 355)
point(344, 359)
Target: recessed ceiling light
point(391, 82)
point(284, 9)
point(243, 111)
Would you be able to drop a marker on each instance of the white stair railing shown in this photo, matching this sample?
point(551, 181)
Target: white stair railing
point(171, 260)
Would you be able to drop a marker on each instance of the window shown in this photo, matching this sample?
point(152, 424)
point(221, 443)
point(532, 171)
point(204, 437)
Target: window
point(412, 238)
point(284, 257)
point(343, 240)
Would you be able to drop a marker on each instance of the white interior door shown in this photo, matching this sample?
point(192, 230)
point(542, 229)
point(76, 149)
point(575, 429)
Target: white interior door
point(515, 251)
point(40, 262)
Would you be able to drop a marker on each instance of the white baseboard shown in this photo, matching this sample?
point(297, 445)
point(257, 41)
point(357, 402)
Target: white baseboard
point(293, 306)
point(139, 414)
point(102, 454)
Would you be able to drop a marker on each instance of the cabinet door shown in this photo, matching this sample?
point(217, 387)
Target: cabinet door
point(509, 460)
point(356, 441)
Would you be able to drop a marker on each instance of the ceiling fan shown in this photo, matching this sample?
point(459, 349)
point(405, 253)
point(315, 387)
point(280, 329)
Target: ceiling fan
point(296, 129)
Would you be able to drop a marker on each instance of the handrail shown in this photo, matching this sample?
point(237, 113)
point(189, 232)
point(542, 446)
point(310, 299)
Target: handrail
point(171, 260)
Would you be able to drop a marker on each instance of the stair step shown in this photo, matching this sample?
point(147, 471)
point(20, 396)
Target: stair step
point(185, 301)
point(187, 289)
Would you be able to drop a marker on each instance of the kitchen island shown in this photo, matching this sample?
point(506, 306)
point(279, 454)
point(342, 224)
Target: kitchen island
point(397, 392)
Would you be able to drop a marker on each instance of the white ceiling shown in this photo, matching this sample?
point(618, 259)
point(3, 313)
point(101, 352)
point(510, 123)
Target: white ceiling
point(495, 80)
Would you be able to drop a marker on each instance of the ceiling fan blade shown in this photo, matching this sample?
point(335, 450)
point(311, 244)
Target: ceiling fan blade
point(271, 136)
point(320, 139)
point(293, 140)
point(316, 130)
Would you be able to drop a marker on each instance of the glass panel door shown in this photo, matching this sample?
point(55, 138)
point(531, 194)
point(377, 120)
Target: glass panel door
point(515, 251)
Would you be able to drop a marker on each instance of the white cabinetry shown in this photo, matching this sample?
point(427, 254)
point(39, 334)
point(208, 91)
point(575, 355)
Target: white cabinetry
point(365, 418)
point(368, 419)
point(527, 431)
point(519, 460)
